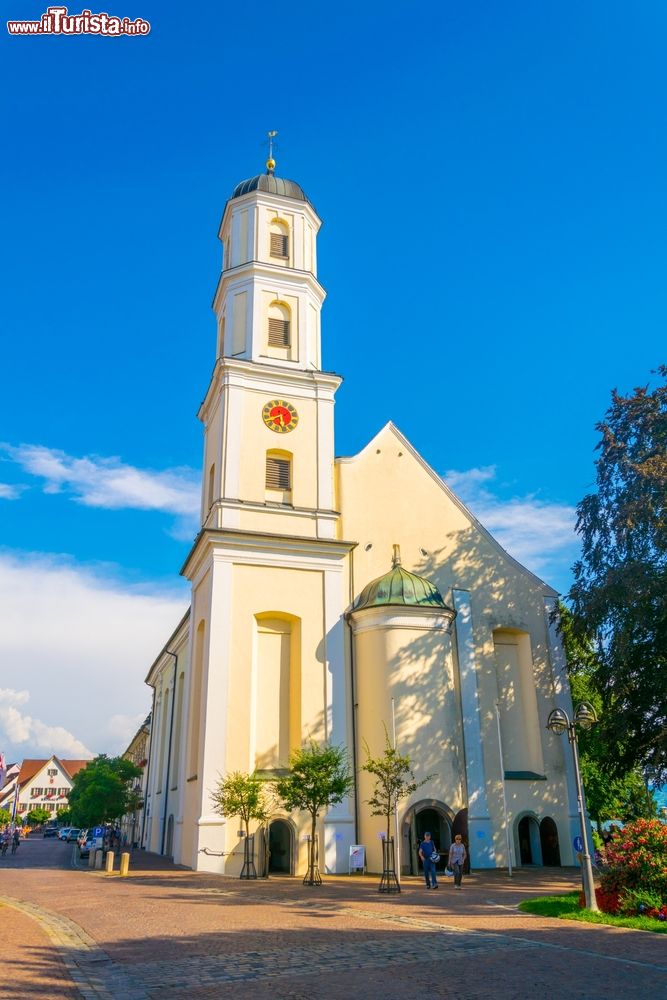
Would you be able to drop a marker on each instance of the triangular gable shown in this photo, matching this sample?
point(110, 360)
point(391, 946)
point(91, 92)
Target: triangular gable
point(390, 426)
point(31, 767)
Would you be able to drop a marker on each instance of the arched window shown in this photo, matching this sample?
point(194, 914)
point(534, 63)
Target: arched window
point(195, 704)
point(519, 720)
point(278, 481)
point(279, 240)
point(221, 336)
point(276, 687)
point(279, 324)
point(211, 487)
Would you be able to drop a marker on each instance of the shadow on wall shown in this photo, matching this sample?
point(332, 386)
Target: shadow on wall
point(504, 598)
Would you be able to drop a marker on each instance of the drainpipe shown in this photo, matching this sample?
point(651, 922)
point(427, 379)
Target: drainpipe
point(171, 732)
point(148, 772)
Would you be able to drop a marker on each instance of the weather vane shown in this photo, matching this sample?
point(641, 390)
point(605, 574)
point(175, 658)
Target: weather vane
point(271, 163)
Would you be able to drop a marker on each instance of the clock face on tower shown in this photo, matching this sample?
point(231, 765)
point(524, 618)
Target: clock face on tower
point(280, 416)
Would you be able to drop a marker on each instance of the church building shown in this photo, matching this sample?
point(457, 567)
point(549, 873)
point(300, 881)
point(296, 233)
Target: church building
point(340, 599)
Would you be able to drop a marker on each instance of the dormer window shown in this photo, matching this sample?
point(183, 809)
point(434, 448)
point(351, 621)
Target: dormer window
point(280, 245)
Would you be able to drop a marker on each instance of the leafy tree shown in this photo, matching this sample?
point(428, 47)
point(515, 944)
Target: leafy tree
point(620, 795)
point(103, 790)
point(318, 778)
point(241, 795)
point(37, 816)
point(64, 815)
point(394, 780)
point(620, 589)
point(5, 817)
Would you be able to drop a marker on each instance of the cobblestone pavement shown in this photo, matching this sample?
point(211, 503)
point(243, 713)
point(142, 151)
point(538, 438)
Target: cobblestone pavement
point(169, 933)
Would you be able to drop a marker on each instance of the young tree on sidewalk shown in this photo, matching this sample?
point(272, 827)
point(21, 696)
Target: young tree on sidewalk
point(394, 780)
point(242, 795)
point(318, 778)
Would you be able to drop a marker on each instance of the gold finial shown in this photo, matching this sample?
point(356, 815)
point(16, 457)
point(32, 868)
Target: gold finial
point(271, 163)
point(396, 561)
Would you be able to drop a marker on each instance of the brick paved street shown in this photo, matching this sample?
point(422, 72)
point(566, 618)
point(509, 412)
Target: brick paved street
point(163, 932)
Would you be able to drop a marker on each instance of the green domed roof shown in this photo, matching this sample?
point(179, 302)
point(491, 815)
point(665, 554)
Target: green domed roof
point(272, 185)
point(399, 587)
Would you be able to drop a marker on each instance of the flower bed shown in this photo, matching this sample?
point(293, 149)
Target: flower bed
point(634, 880)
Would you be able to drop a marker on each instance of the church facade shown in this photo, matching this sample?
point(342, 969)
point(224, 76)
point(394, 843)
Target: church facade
point(339, 600)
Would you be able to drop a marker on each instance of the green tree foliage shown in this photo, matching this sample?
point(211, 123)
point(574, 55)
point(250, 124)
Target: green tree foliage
point(394, 780)
point(5, 817)
point(620, 589)
point(241, 795)
point(37, 816)
point(318, 778)
point(64, 815)
point(619, 795)
point(103, 791)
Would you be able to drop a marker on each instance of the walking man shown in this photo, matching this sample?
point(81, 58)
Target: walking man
point(429, 855)
point(457, 856)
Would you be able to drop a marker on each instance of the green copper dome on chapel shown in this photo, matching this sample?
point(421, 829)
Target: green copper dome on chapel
point(398, 587)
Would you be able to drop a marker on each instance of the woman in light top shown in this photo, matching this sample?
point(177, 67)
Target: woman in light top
point(457, 856)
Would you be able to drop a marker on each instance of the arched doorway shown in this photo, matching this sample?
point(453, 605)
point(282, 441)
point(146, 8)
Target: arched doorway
point(169, 840)
point(280, 847)
point(549, 843)
point(528, 835)
point(437, 819)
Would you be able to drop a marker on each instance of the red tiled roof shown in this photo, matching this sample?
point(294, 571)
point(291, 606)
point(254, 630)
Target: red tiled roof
point(31, 767)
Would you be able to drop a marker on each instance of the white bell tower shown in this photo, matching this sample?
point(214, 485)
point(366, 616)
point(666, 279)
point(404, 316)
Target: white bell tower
point(268, 569)
point(268, 413)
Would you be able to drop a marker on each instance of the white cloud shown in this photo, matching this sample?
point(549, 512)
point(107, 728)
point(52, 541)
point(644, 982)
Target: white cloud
point(80, 644)
point(9, 492)
point(539, 533)
point(107, 482)
point(18, 729)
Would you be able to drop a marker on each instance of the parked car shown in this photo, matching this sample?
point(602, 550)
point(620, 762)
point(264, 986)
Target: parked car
point(62, 833)
point(50, 831)
point(84, 851)
point(72, 834)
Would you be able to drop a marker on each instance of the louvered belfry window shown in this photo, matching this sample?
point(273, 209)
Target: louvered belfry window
point(278, 473)
point(279, 245)
point(278, 332)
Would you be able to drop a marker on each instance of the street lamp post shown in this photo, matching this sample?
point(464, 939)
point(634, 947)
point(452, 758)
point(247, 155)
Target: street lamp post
point(559, 722)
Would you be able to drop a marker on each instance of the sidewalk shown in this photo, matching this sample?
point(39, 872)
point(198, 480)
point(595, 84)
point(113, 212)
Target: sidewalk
point(170, 933)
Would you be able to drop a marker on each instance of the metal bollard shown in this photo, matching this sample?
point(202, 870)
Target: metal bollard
point(110, 861)
point(124, 863)
point(99, 858)
point(91, 857)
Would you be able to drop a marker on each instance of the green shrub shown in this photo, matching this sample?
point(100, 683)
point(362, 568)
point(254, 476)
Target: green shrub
point(644, 901)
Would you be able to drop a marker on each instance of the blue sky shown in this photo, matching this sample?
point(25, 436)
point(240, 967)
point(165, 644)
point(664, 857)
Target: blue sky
point(491, 179)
